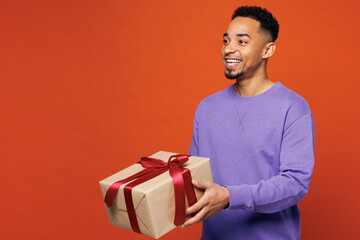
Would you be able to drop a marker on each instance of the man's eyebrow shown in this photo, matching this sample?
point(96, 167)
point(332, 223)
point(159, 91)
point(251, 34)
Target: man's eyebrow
point(239, 35)
point(243, 35)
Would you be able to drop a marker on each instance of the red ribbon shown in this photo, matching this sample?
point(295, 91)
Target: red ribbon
point(153, 167)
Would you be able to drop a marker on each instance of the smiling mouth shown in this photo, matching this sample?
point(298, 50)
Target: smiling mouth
point(231, 63)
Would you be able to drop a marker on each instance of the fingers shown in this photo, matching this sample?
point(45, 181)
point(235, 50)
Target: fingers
point(196, 207)
point(201, 215)
point(203, 201)
point(201, 184)
point(211, 203)
point(197, 218)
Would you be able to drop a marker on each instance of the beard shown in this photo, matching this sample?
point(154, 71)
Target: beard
point(231, 75)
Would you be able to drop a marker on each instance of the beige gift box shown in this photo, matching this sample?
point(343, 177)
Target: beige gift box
point(153, 200)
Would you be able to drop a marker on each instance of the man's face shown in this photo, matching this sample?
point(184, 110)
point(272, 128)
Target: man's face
point(243, 48)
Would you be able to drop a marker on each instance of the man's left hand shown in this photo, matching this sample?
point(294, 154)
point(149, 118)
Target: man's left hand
point(212, 202)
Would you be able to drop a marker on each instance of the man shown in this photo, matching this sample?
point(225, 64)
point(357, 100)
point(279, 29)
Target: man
point(259, 136)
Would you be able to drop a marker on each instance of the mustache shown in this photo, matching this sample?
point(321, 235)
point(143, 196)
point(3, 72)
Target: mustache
point(229, 55)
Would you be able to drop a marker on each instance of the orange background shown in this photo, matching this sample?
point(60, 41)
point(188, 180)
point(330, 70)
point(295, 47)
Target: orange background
point(89, 87)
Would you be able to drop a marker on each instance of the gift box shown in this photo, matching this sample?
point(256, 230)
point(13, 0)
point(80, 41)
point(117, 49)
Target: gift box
point(156, 204)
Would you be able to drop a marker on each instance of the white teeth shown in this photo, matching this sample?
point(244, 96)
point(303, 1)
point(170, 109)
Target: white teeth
point(232, 60)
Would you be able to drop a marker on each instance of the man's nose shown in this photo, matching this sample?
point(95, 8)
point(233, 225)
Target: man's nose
point(229, 48)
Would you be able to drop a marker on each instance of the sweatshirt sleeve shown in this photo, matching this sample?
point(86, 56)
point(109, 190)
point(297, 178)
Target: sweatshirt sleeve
point(194, 148)
point(292, 183)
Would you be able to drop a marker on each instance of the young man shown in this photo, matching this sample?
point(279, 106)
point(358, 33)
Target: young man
point(259, 136)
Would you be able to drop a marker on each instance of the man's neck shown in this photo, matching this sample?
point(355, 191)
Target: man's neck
point(252, 86)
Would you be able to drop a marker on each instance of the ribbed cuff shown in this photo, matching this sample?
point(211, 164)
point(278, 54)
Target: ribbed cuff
point(240, 198)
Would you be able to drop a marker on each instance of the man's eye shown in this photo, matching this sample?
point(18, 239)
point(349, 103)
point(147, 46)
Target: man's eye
point(225, 41)
point(242, 42)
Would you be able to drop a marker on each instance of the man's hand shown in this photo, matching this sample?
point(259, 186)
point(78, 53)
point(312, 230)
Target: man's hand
point(212, 202)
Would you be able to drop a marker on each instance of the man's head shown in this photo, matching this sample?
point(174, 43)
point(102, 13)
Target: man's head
point(249, 42)
point(267, 22)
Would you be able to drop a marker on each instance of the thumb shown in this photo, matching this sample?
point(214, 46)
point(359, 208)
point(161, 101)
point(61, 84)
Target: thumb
point(201, 184)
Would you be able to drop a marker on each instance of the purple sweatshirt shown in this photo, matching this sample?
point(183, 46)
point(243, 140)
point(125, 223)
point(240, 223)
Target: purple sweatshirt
point(262, 149)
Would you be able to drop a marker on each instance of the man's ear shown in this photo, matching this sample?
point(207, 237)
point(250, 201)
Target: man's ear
point(269, 49)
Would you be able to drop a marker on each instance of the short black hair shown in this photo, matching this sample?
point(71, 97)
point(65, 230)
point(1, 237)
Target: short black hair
point(267, 21)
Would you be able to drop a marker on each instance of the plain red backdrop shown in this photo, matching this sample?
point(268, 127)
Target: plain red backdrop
point(89, 87)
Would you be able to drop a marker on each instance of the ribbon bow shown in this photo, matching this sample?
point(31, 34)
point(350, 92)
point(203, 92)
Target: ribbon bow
point(153, 167)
